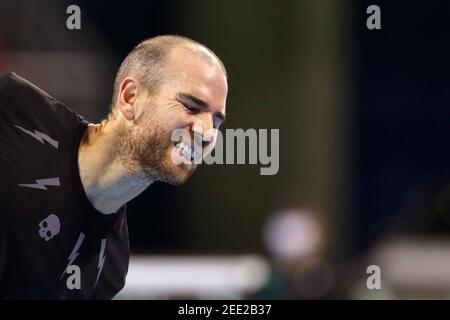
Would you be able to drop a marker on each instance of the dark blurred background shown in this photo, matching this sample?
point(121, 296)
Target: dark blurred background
point(363, 119)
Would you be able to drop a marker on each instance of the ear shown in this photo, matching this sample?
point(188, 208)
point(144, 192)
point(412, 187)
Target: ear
point(127, 97)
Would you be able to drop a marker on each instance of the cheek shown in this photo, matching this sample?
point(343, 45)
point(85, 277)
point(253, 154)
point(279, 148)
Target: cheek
point(178, 120)
point(170, 117)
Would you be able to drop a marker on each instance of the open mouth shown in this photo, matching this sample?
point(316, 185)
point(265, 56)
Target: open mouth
point(185, 151)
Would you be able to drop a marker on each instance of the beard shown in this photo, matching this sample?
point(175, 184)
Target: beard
point(146, 149)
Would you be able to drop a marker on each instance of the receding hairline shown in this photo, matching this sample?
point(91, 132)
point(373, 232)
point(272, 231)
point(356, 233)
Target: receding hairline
point(150, 57)
point(173, 42)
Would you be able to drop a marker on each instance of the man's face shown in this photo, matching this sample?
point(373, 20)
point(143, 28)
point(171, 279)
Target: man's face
point(192, 100)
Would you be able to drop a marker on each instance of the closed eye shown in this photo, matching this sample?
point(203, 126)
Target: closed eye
point(195, 105)
point(192, 110)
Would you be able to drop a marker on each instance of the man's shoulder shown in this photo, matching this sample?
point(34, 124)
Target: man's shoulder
point(15, 87)
point(21, 98)
point(5, 78)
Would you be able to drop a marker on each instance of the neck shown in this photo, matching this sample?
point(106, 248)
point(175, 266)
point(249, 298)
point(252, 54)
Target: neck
point(108, 182)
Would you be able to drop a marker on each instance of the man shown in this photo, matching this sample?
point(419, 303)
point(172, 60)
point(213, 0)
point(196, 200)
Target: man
point(65, 182)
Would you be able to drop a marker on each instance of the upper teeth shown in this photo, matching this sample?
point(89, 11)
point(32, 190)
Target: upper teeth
point(185, 150)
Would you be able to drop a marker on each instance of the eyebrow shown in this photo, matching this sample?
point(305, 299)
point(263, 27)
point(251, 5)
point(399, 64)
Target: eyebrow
point(194, 102)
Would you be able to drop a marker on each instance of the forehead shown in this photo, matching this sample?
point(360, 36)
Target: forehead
point(197, 74)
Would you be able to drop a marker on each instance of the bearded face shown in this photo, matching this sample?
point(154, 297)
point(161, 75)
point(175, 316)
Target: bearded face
point(193, 92)
point(148, 144)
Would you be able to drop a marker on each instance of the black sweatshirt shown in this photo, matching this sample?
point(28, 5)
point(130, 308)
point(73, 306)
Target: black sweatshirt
point(50, 234)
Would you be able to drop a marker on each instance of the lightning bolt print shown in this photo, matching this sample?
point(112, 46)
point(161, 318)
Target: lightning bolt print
point(42, 184)
point(75, 252)
point(101, 259)
point(40, 136)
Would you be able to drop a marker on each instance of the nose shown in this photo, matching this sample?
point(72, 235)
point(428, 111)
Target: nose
point(203, 129)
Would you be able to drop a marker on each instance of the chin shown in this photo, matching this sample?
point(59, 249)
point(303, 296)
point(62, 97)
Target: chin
point(178, 174)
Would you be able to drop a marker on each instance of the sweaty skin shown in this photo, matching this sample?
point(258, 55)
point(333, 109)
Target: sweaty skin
point(120, 158)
